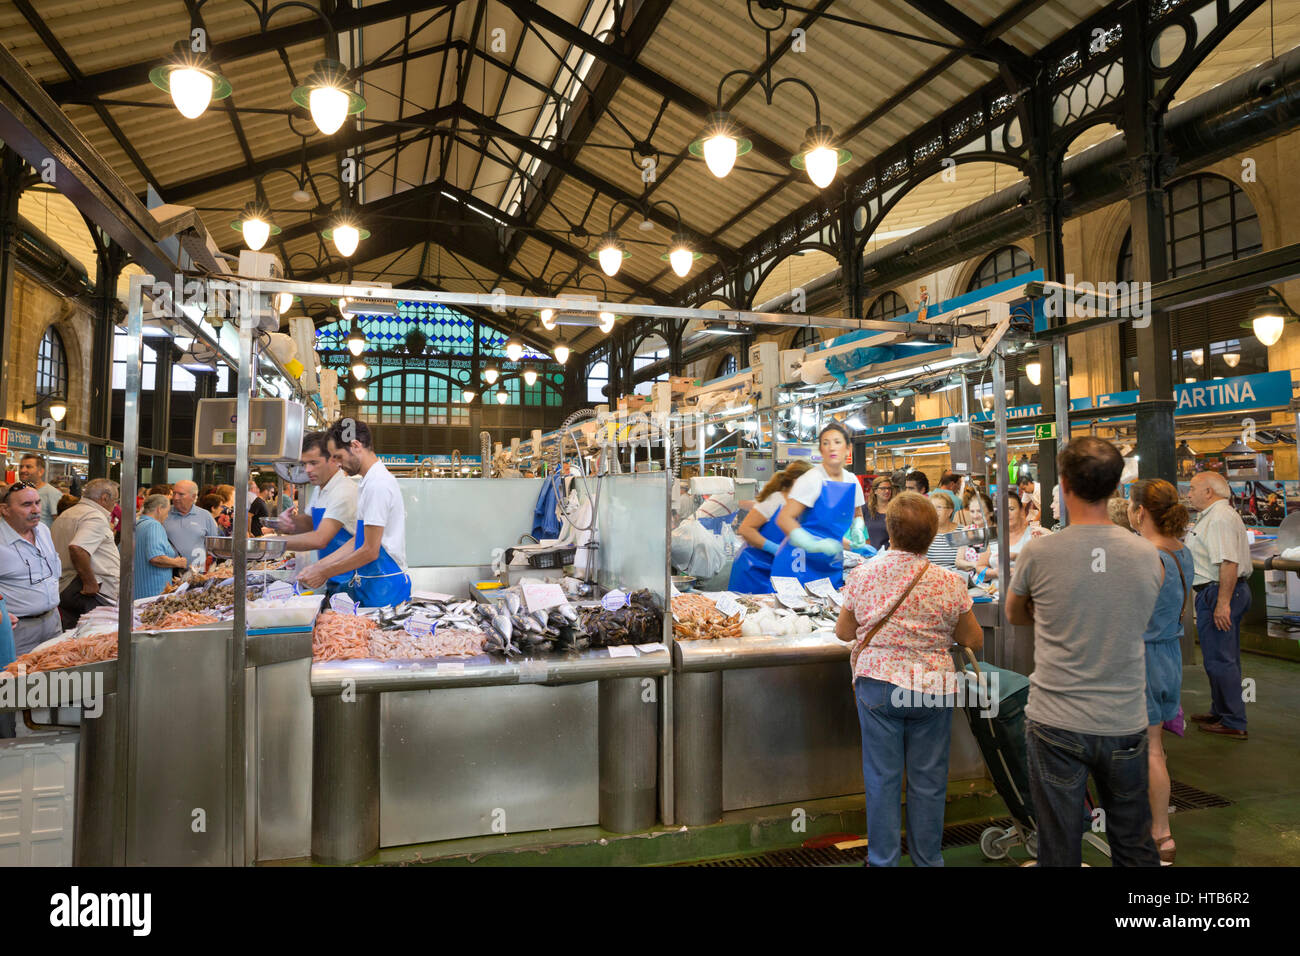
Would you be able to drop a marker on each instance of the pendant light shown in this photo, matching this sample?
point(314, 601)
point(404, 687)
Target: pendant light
point(680, 255)
point(561, 351)
point(491, 374)
point(607, 322)
point(360, 392)
point(58, 409)
point(283, 300)
point(191, 80)
point(610, 253)
point(1268, 317)
point(514, 350)
point(1232, 359)
point(818, 157)
point(356, 340)
point(467, 395)
point(502, 397)
point(345, 234)
point(720, 146)
point(548, 319)
point(359, 368)
point(327, 96)
point(1034, 370)
point(255, 225)
point(530, 377)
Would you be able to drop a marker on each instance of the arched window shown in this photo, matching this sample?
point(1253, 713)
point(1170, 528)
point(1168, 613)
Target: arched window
point(805, 338)
point(998, 265)
point(51, 366)
point(1209, 220)
point(728, 365)
point(597, 379)
point(888, 306)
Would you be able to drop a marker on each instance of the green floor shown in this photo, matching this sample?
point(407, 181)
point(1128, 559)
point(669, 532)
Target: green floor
point(1259, 776)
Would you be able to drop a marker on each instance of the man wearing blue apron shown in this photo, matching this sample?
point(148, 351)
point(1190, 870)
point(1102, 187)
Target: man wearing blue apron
point(331, 514)
point(377, 559)
point(821, 509)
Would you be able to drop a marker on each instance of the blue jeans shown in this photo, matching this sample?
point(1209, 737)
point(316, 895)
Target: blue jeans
point(892, 736)
point(1059, 764)
point(1222, 652)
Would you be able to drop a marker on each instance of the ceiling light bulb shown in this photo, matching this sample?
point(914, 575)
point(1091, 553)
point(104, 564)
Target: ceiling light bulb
point(1010, 393)
point(1197, 356)
point(607, 322)
point(1232, 359)
point(329, 108)
point(514, 351)
point(1035, 372)
point(820, 162)
point(898, 400)
point(467, 395)
point(720, 154)
point(191, 91)
point(256, 232)
point(490, 375)
point(360, 393)
point(610, 255)
point(58, 410)
point(282, 302)
point(1268, 328)
point(681, 259)
point(530, 376)
point(346, 238)
point(356, 341)
point(548, 319)
point(561, 353)
point(359, 369)
point(502, 398)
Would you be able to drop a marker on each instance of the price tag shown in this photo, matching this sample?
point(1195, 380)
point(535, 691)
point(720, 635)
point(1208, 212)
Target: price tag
point(726, 603)
point(540, 595)
point(650, 648)
point(418, 628)
point(822, 587)
point(675, 592)
point(789, 592)
point(624, 650)
point(613, 600)
point(279, 590)
point(343, 604)
point(450, 668)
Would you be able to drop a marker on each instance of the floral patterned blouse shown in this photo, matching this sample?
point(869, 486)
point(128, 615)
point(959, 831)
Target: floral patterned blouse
point(919, 633)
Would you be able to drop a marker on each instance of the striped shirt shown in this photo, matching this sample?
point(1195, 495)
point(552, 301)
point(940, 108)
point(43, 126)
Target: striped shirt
point(941, 552)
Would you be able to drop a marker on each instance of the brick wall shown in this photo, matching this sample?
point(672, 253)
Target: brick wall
point(36, 309)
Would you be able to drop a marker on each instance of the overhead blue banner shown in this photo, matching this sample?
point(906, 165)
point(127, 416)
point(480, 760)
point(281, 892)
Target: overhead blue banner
point(1242, 394)
point(29, 441)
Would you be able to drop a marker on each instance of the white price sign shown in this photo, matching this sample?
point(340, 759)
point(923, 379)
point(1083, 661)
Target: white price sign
point(540, 595)
point(454, 667)
point(623, 650)
point(789, 592)
point(726, 603)
point(822, 587)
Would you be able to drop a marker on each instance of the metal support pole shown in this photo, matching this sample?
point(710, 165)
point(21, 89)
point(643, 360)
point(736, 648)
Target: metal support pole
point(628, 735)
point(697, 743)
point(345, 779)
point(126, 595)
point(1002, 470)
point(235, 792)
point(1062, 422)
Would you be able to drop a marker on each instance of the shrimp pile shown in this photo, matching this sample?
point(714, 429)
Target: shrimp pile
point(340, 637)
point(186, 619)
point(448, 642)
point(697, 619)
point(77, 650)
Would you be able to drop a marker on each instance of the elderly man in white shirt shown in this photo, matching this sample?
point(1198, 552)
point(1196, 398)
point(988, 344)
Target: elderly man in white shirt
point(29, 568)
point(88, 549)
point(1221, 552)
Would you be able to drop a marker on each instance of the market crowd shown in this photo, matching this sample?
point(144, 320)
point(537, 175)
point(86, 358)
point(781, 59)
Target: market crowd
point(1103, 691)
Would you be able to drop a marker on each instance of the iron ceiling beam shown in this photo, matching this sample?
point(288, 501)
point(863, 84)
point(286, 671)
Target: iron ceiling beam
point(971, 33)
point(253, 44)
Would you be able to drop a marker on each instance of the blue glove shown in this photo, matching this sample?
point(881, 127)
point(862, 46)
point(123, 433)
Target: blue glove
point(771, 547)
point(857, 534)
point(811, 542)
point(867, 551)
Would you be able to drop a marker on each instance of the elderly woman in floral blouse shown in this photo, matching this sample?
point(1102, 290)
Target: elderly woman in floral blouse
point(902, 615)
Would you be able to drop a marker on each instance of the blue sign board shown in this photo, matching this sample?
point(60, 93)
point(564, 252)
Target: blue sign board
point(465, 460)
point(30, 441)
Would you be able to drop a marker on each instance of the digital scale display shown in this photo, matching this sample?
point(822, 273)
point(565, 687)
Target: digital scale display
point(230, 436)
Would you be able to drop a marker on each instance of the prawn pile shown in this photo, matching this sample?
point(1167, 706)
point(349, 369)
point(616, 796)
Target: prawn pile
point(89, 649)
point(697, 619)
point(186, 619)
point(399, 646)
point(340, 637)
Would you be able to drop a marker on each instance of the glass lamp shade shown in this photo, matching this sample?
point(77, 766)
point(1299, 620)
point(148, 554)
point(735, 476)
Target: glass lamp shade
point(191, 91)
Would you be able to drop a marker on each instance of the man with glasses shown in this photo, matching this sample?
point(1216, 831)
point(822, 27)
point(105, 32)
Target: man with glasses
point(91, 564)
point(29, 568)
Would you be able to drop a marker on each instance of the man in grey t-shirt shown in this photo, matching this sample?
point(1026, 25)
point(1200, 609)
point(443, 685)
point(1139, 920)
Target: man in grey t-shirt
point(1088, 590)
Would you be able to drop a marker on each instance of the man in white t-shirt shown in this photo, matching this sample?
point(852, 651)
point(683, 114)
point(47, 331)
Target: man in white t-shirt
point(331, 515)
point(377, 558)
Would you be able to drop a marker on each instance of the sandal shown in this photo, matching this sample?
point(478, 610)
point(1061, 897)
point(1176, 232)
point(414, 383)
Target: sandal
point(1166, 848)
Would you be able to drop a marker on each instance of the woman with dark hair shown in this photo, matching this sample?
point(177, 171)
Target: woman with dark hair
point(1019, 531)
point(751, 571)
point(1155, 512)
point(823, 506)
point(902, 613)
point(882, 492)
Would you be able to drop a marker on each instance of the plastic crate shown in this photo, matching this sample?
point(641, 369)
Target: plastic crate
point(38, 785)
point(543, 560)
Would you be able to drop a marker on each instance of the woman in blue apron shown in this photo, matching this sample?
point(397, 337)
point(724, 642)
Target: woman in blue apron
point(380, 583)
point(823, 507)
point(751, 571)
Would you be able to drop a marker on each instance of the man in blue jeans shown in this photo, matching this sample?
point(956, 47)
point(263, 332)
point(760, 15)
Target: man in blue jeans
point(1221, 552)
point(1083, 588)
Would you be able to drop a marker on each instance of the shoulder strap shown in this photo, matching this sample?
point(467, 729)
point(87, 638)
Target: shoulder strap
point(1181, 576)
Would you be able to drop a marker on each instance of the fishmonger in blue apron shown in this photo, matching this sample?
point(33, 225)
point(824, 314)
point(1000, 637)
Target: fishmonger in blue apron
point(341, 537)
point(823, 507)
point(751, 571)
point(381, 583)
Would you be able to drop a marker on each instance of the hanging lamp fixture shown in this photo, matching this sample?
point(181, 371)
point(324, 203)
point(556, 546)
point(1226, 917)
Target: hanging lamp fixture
point(191, 79)
point(327, 95)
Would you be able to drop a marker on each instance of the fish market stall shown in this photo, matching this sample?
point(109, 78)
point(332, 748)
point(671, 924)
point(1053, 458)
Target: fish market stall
point(515, 733)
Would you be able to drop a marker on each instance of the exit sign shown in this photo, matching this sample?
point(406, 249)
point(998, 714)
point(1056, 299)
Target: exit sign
point(1045, 432)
